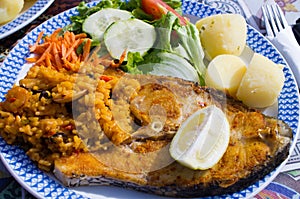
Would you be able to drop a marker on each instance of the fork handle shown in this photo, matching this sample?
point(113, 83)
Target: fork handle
point(290, 50)
point(294, 63)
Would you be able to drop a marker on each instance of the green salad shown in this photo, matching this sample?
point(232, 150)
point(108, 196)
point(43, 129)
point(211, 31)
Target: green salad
point(152, 36)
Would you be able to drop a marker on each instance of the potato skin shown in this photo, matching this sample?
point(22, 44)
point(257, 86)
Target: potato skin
point(222, 34)
point(9, 9)
point(262, 82)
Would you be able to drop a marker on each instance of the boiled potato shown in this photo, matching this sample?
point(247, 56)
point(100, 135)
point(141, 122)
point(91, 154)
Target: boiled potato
point(262, 82)
point(225, 72)
point(222, 34)
point(9, 9)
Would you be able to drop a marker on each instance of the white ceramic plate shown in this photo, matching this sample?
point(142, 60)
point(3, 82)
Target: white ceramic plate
point(31, 10)
point(43, 185)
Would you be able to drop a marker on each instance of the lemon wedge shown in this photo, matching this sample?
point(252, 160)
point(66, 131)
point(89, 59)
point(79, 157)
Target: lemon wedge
point(202, 139)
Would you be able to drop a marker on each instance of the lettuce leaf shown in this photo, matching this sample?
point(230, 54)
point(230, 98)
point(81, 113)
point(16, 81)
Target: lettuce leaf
point(190, 40)
point(173, 36)
point(133, 60)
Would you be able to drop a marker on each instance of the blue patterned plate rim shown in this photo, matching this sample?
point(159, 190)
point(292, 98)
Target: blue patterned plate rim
point(25, 18)
point(44, 185)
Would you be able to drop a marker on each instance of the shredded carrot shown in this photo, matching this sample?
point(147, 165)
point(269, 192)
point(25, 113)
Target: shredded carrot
point(54, 35)
point(74, 56)
point(45, 54)
point(60, 51)
point(71, 49)
point(41, 48)
point(32, 48)
point(48, 61)
point(56, 57)
point(86, 49)
point(31, 59)
point(81, 35)
point(117, 63)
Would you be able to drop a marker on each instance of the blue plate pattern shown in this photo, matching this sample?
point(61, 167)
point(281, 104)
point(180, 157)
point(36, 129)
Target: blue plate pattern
point(41, 184)
point(230, 6)
point(25, 18)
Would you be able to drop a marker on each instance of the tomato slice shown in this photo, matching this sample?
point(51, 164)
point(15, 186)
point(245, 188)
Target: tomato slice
point(157, 8)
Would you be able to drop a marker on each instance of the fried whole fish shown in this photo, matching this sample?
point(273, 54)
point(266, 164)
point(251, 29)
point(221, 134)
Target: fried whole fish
point(138, 158)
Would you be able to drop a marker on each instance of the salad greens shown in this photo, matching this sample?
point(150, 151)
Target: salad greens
point(176, 44)
point(187, 39)
point(172, 64)
point(84, 12)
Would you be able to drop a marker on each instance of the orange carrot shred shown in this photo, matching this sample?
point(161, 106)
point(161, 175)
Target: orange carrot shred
point(74, 56)
point(81, 35)
point(60, 51)
point(63, 50)
point(48, 62)
point(31, 59)
point(117, 63)
point(71, 48)
point(86, 49)
point(55, 33)
point(32, 48)
point(67, 38)
point(45, 53)
point(56, 57)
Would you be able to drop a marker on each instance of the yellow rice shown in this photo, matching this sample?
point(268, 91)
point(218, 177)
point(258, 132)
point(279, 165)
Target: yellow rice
point(52, 127)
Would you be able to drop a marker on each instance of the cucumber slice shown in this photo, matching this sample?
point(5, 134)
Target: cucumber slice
point(96, 24)
point(132, 35)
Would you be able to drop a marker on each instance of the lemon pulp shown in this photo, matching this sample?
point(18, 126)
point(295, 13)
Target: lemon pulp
point(202, 139)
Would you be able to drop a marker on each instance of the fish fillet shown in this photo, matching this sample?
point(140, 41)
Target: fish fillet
point(158, 105)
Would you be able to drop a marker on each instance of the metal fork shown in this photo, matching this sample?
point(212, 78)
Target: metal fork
point(280, 34)
point(274, 18)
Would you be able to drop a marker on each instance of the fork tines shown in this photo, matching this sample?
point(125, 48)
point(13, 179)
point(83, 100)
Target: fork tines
point(274, 18)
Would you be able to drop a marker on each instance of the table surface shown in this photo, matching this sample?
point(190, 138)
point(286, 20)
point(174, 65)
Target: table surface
point(287, 181)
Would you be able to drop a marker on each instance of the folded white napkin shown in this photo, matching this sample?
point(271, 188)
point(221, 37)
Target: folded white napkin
point(287, 45)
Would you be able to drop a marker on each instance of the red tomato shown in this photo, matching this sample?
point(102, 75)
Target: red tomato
point(157, 8)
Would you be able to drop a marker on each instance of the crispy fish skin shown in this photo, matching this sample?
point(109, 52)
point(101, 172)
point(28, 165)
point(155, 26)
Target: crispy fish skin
point(258, 144)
